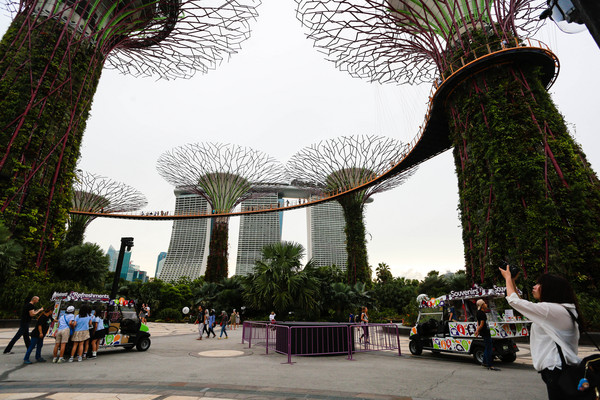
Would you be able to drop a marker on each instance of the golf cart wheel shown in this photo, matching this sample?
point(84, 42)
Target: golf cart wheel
point(478, 355)
point(143, 344)
point(508, 358)
point(415, 347)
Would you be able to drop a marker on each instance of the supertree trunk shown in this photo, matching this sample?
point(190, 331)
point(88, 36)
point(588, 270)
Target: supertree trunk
point(356, 245)
point(46, 86)
point(76, 231)
point(216, 266)
point(527, 193)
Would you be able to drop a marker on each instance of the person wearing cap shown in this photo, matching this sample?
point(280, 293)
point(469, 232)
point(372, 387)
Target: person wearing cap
point(484, 330)
point(62, 335)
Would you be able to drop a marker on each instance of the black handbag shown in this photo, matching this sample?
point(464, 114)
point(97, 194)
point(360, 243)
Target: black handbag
point(581, 381)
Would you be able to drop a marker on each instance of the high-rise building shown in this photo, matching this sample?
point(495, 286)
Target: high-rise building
point(189, 240)
point(326, 237)
point(113, 255)
point(160, 262)
point(257, 231)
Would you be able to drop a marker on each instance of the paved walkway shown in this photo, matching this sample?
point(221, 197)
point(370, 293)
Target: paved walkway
point(178, 367)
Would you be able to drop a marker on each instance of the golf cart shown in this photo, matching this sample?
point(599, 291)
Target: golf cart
point(124, 329)
point(448, 324)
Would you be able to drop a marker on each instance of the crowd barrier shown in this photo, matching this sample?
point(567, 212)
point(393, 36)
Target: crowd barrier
point(321, 339)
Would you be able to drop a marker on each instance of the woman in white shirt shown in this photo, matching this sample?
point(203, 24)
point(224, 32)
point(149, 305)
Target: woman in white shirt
point(552, 324)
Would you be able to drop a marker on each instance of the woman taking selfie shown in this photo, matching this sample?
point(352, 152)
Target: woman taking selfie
point(552, 325)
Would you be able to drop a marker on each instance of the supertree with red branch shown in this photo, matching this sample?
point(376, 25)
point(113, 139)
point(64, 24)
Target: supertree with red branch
point(527, 193)
point(98, 194)
point(343, 163)
point(51, 59)
point(225, 175)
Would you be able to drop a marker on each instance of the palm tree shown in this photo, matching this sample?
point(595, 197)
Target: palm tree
point(278, 282)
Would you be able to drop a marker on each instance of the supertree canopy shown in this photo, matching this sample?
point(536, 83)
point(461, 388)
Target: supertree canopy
point(344, 163)
point(527, 193)
point(95, 193)
point(51, 59)
point(225, 175)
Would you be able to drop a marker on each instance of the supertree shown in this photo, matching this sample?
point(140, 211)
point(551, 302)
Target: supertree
point(527, 193)
point(51, 59)
point(225, 175)
point(98, 194)
point(343, 163)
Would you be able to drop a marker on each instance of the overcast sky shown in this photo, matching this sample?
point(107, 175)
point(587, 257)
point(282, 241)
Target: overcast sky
point(279, 95)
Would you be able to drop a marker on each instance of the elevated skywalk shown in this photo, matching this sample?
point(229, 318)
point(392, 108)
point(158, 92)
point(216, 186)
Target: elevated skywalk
point(431, 140)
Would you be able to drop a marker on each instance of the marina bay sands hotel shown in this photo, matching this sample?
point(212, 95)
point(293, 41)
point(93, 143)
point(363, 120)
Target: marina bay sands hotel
point(188, 248)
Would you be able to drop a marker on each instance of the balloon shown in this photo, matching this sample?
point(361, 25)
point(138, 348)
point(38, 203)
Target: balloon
point(185, 310)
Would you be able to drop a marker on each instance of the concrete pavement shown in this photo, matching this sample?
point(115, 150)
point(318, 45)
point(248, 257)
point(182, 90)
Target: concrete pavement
point(178, 367)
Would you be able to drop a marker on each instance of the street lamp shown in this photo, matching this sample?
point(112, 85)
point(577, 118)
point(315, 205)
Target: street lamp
point(126, 245)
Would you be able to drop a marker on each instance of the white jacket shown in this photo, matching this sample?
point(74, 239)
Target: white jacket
point(551, 324)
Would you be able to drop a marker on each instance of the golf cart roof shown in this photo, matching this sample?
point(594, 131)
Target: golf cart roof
point(473, 293)
point(76, 296)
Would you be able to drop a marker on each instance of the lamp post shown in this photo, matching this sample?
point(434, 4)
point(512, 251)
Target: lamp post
point(126, 244)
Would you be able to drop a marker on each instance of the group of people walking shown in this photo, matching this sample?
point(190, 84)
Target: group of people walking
point(207, 319)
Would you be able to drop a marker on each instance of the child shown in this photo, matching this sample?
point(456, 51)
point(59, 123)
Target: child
point(37, 336)
point(62, 334)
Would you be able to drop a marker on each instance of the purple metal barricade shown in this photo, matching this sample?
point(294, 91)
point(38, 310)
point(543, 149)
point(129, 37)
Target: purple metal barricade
point(313, 340)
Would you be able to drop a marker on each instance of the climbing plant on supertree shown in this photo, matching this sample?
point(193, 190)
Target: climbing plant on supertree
point(343, 163)
point(225, 175)
point(527, 193)
point(51, 59)
point(98, 194)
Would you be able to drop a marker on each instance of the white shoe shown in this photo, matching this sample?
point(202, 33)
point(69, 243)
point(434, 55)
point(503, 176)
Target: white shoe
point(61, 360)
point(55, 359)
point(70, 359)
point(79, 359)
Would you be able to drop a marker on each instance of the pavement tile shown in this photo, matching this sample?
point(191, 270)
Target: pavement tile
point(19, 396)
point(100, 396)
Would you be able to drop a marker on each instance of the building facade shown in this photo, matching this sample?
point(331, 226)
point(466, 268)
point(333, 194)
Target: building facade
point(160, 262)
point(257, 231)
point(326, 237)
point(188, 248)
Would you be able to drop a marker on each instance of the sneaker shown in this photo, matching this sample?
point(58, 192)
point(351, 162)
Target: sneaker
point(92, 356)
point(61, 360)
point(70, 359)
point(41, 359)
point(54, 360)
point(494, 369)
point(219, 338)
point(84, 356)
point(79, 359)
point(27, 362)
point(199, 338)
point(226, 337)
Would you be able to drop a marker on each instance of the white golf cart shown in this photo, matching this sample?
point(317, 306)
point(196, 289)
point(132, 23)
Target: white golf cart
point(448, 323)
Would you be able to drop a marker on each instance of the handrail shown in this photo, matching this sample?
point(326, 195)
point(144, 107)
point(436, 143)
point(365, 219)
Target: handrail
point(437, 87)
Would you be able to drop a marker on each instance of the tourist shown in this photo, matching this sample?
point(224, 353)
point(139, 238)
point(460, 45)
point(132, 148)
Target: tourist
point(211, 323)
point(484, 330)
point(232, 319)
point(364, 318)
point(37, 337)
point(99, 332)
point(224, 322)
point(200, 322)
point(206, 321)
point(237, 319)
point(26, 314)
point(63, 334)
point(553, 325)
point(272, 317)
point(81, 332)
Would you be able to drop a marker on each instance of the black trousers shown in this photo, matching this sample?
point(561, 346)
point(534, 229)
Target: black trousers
point(23, 331)
point(550, 378)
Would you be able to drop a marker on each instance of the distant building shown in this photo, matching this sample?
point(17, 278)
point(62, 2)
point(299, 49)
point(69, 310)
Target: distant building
point(113, 255)
point(257, 231)
point(160, 262)
point(326, 236)
point(188, 247)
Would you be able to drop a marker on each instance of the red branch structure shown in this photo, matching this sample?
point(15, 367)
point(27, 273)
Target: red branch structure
point(51, 59)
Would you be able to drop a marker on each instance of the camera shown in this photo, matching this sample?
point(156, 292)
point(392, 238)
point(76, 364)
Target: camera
point(514, 270)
